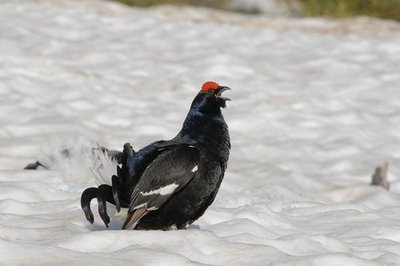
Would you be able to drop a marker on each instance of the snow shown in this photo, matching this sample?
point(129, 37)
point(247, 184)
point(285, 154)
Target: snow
point(314, 109)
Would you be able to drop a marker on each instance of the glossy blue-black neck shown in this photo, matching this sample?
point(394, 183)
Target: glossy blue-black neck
point(205, 125)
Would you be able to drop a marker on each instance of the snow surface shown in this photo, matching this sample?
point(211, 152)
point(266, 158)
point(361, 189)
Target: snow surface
point(315, 108)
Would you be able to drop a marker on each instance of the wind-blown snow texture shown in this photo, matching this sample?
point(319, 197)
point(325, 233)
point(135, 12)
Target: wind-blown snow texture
point(315, 108)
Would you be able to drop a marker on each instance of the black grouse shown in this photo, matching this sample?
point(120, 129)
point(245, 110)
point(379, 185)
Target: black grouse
point(170, 184)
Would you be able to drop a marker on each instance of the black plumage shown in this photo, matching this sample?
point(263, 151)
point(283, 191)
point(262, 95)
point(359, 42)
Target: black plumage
point(171, 183)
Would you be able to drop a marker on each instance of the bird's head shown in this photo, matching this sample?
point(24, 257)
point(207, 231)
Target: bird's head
point(210, 97)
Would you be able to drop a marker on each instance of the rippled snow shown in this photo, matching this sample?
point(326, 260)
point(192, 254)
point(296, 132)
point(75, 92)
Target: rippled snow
point(315, 108)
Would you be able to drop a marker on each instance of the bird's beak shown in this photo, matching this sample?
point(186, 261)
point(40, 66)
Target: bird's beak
point(221, 89)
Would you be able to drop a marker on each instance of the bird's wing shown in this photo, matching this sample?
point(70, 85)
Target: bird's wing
point(164, 176)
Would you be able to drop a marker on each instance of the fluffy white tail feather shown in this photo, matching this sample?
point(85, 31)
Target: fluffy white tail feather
point(104, 167)
point(78, 162)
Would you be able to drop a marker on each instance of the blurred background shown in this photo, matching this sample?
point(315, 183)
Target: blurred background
point(388, 9)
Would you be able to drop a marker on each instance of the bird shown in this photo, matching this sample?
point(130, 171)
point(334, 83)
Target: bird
point(169, 184)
